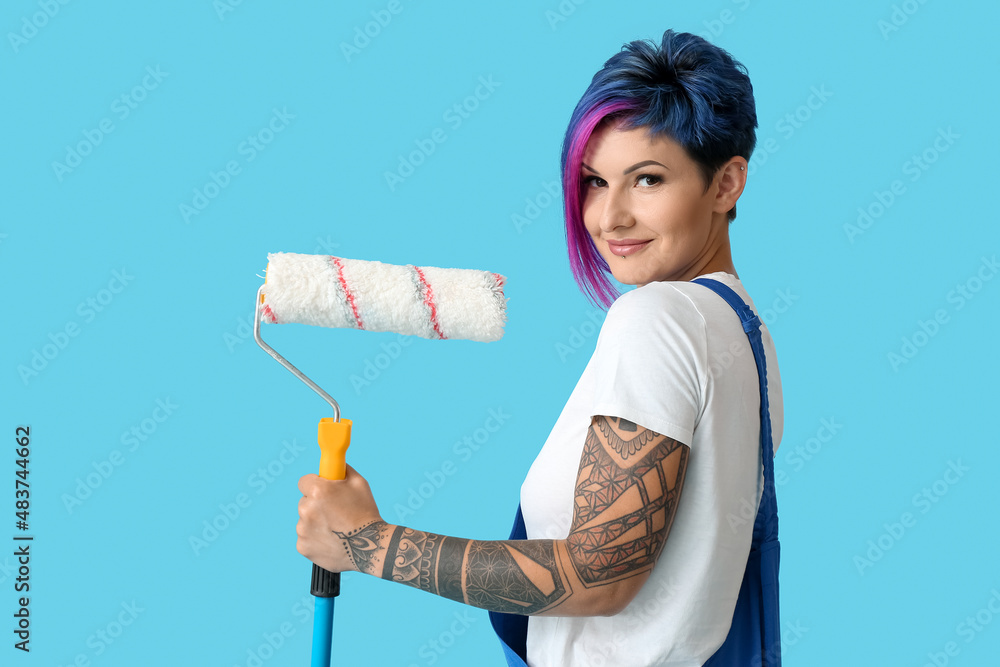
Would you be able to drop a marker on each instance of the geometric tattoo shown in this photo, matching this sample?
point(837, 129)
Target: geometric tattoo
point(363, 544)
point(513, 576)
point(497, 577)
point(623, 508)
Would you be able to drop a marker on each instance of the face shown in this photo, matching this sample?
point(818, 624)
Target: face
point(645, 199)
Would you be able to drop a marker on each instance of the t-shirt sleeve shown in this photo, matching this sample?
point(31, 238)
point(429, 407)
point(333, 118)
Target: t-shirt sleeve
point(649, 361)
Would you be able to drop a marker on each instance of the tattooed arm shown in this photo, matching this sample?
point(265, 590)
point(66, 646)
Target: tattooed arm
point(516, 576)
point(628, 485)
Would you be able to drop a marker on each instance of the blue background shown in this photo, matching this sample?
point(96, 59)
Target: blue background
point(847, 95)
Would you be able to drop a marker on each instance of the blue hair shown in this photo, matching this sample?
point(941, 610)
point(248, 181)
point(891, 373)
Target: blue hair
point(687, 89)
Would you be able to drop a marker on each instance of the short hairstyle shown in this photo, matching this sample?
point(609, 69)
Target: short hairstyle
point(686, 89)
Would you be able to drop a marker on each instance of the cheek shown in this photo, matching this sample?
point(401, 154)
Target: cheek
point(685, 209)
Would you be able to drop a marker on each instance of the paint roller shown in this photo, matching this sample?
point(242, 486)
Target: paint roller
point(328, 291)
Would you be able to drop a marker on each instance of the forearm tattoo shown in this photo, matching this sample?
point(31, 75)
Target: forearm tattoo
point(363, 544)
point(626, 497)
point(513, 576)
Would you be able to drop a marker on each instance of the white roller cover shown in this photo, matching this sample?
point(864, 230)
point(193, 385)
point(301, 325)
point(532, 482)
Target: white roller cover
point(433, 303)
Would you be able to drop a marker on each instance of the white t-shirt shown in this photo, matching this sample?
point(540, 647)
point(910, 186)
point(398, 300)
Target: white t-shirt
point(671, 357)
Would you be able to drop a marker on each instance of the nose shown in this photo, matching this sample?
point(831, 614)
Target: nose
point(616, 212)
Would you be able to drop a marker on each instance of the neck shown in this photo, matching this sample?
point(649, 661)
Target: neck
point(719, 257)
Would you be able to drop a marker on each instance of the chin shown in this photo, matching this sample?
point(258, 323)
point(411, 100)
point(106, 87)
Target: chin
point(628, 279)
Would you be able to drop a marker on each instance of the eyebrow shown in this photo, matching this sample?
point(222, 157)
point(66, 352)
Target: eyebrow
point(628, 171)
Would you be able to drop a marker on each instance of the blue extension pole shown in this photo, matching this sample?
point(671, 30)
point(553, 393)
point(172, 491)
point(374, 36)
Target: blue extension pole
point(322, 632)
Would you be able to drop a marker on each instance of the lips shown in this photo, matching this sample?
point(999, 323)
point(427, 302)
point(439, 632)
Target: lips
point(626, 247)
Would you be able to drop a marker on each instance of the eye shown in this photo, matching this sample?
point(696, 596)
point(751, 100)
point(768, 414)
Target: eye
point(593, 182)
point(650, 180)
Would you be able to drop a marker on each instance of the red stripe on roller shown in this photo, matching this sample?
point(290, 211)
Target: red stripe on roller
point(269, 314)
point(429, 301)
point(500, 281)
point(347, 291)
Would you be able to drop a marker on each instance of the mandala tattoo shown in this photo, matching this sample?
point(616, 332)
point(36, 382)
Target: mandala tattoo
point(623, 509)
point(625, 448)
point(521, 577)
point(413, 555)
point(363, 544)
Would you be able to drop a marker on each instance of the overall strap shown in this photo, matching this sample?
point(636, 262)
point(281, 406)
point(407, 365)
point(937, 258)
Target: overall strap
point(755, 630)
point(751, 325)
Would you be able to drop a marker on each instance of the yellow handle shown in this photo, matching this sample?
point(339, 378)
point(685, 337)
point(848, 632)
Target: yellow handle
point(334, 439)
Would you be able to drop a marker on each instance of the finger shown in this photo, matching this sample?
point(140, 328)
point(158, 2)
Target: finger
point(307, 483)
point(355, 478)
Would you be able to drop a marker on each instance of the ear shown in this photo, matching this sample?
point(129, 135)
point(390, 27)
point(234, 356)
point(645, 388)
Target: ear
point(731, 178)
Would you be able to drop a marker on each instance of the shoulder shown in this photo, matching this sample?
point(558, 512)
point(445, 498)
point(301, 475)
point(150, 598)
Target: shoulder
point(662, 294)
point(666, 308)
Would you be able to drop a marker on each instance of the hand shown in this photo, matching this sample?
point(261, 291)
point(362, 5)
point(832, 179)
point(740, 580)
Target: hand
point(339, 524)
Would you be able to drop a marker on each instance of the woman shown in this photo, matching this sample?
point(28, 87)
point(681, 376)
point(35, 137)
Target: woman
point(617, 569)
